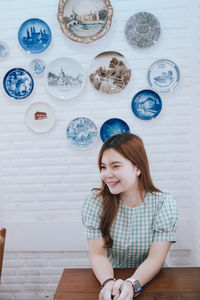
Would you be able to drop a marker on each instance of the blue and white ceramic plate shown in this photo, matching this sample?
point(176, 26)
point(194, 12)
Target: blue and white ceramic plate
point(142, 30)
point(65, 78)
point(163, 75)
point(37, 67)
point(34, 36)
point(146, 104)
point(18, 83)
point(4, 50)
point(112, 127)
point(82, 133)
point(40, 117)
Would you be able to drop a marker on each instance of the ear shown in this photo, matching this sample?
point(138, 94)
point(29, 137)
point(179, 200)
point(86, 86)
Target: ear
point(138, 172)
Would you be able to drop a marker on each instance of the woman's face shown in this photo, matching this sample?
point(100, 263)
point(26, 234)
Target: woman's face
point(119, 173)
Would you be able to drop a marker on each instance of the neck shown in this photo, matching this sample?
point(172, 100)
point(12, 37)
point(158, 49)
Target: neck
point(132, 199)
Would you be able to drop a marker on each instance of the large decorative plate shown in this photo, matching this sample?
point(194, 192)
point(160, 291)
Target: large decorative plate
point(37, 67)
point(146, 104)
point(112, 127)
point(163, 75)
point(85, 21)
point(110, 72)
point(40, 117)
point(4, 50)
point(82, 133)
point(18, 83)
point(65, 78)
point(34, 36)
point(142, 30)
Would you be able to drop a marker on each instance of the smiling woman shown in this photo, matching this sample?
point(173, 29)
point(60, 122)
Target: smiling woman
point(128, 221)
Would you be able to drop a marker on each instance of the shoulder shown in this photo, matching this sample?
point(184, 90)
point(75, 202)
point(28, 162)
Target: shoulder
point(92, 202)
point(165, 202)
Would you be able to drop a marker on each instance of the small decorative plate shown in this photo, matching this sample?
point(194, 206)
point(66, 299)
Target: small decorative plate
point(85, 21)
point(112, 127)
point(82, 133)
point(37, 67)
point(163, 75)
point(18, 83)
point(142, 30)
point(146, 104)
point(4, 50)
point(34, 36)
point(65, 78)
point(110, 72)
point(40, 117)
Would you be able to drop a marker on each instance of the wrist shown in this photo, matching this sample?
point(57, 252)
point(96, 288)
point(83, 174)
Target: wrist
point(136, 286)
point(106, 281)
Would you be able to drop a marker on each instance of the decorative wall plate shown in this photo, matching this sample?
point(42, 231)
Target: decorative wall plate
point(110, 72)
point(82, 133)
point(142, 30)
point(65, 78)
point(4, 50)
point(18, 83)
point(112, 127)
point(34, 36)
point(40, 117)
point(85, 21)
point(37, 67)
point(163, 75)
point(146, 104)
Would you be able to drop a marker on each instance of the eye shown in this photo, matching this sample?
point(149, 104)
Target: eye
point(102, 167)
point(116, 166)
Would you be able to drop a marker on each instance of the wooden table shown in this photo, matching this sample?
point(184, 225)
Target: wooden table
point(169, 284)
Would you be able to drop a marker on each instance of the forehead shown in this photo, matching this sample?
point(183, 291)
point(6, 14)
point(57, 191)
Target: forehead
point(111, 155)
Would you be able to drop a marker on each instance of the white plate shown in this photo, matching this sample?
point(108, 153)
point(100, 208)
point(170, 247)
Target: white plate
point(40, 117)
point(65, 78)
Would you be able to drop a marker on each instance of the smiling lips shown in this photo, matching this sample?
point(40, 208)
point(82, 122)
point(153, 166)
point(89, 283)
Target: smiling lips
point(112, 183)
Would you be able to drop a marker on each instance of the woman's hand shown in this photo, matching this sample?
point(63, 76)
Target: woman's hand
point(107, 291)
point(122, 290)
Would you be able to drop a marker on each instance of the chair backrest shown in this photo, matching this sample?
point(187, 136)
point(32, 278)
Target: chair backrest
point(2, 244)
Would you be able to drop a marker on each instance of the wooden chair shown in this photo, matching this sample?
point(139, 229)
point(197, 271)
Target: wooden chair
point(2, 244)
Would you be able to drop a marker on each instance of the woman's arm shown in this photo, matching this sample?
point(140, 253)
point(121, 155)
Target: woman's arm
point(101, 265)
point(146, 271)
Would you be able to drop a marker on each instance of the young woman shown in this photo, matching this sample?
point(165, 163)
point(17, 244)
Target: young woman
point(129, 222)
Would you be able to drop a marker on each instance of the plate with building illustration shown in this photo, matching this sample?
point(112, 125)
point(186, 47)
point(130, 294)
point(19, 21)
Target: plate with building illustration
point(112, 127)
point(85, 21)
point(146, 104)
point(142, 30)
point(40, 117)
point(18, 83)
point(37, 67)
point(110, 72)
point(34, 36)
point(82, 133)
point(65, 78)
point(163, 75)
point(4, 50)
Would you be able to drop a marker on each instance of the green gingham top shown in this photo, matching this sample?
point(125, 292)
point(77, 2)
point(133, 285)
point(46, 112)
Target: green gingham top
point(134, 228)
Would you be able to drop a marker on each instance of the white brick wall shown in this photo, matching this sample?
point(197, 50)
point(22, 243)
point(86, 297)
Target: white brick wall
point(43, 180)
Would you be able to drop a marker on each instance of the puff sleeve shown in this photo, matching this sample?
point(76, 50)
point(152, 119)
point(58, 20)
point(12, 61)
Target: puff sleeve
point(91, 216)
point(165, 222)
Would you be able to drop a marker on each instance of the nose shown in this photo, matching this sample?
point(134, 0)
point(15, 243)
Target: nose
point(107, 173)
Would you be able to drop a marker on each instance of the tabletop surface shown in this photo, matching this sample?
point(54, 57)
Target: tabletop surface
point(170, 283)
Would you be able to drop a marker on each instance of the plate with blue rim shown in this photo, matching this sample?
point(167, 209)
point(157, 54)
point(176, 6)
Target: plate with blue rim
point(112, 127)
point(34, 36)
point(146, 104)
point(37, 67)
point(18, 83)
point(82, 133)
point(163, 75)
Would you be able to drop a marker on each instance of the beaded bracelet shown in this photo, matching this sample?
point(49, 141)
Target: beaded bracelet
point(106, 281)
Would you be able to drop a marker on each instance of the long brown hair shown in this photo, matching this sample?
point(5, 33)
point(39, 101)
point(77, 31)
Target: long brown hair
point(132, 148)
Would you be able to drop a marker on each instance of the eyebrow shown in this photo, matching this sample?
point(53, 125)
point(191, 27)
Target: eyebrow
point(112, 163)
